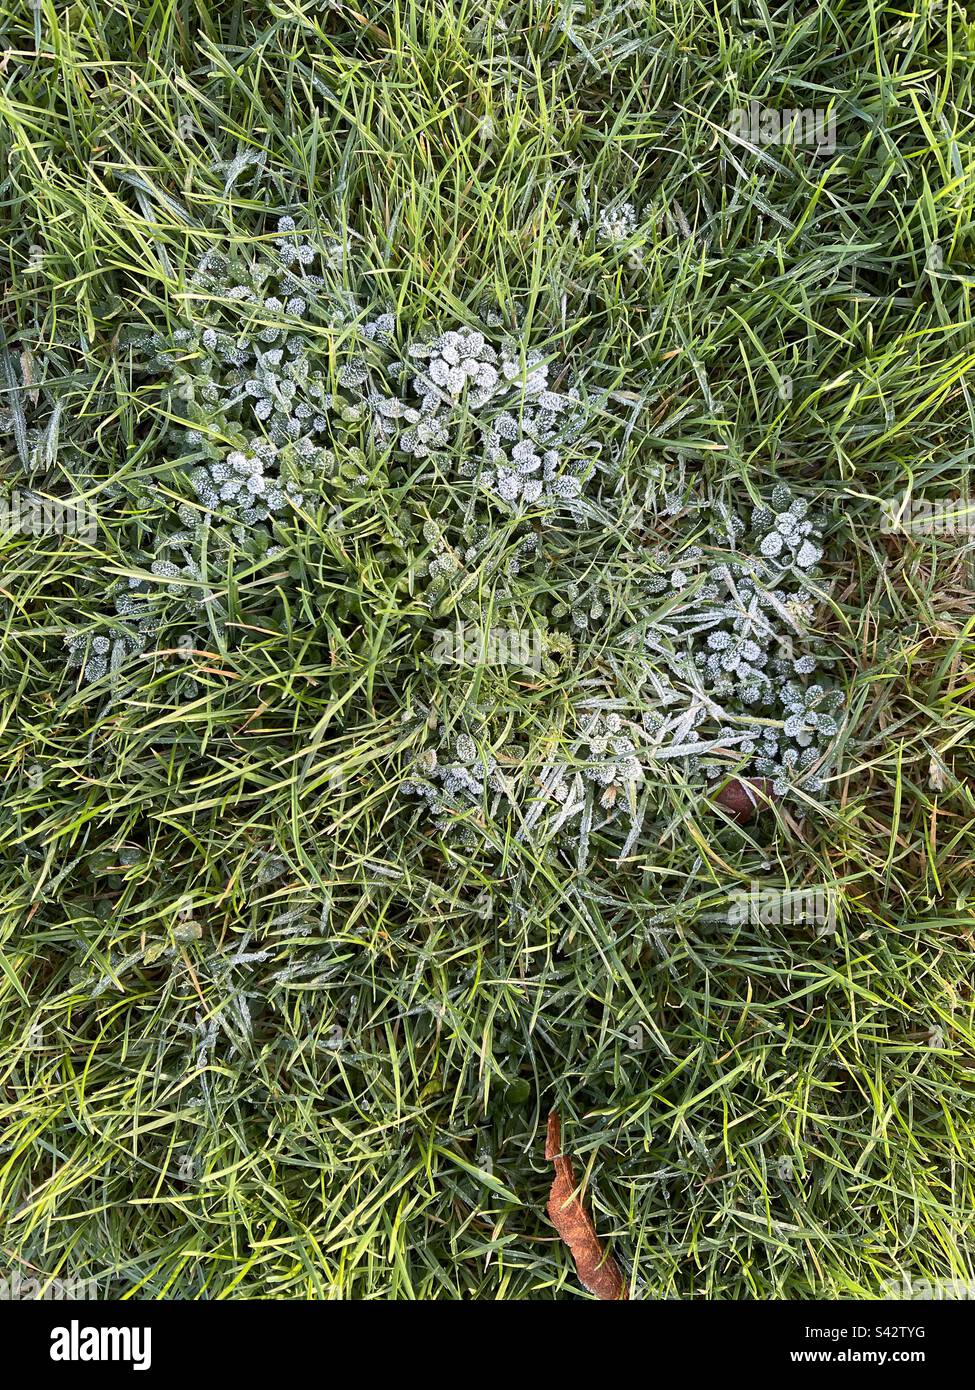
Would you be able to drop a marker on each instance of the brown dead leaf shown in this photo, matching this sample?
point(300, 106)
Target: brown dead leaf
point(598, 1271)
point(744, 799)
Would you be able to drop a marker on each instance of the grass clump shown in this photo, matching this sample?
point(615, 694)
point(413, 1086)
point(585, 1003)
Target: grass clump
point(489, 450)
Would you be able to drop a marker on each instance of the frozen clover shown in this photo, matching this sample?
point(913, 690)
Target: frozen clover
point(810, 713)
point(459, 360)
point(253, 367)
point(612, 762)
point(582, 604)
point(791, 772)
point(734, 633)
point(616, 224)
point(99, 655)
point(787, 536)
point(451, 790)
point(248, 482)
point(534, 441)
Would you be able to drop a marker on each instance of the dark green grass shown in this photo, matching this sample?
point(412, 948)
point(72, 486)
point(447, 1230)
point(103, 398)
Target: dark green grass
point(758, 1111)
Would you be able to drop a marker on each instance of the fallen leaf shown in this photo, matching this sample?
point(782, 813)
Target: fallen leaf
point(598, 1271)
point(745, 799)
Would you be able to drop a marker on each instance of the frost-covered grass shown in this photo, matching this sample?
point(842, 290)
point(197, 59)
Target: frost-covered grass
point(489, 451)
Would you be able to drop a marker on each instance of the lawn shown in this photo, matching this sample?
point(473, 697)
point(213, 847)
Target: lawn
point(450, 453)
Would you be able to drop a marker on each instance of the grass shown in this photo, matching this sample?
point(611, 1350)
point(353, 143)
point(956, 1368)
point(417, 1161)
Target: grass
point(264, 1032)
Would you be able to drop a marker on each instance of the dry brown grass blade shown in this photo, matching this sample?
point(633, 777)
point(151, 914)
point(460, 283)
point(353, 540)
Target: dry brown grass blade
point(598, 1271)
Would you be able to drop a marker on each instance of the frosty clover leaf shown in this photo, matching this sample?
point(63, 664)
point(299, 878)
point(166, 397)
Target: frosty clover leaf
point(254, 367)
point(616, 224)
point(742, 624)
